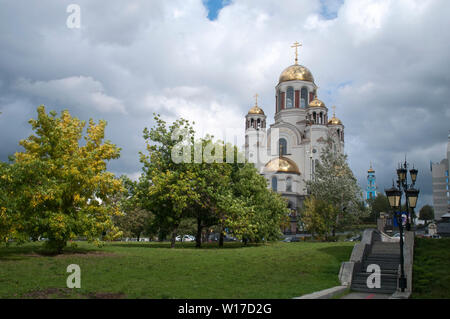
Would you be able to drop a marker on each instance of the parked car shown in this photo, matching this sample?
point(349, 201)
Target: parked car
point(188, 238)
point(291, 240)
point(185, 238)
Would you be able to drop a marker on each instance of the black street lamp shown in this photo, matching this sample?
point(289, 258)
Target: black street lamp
point(394, 196)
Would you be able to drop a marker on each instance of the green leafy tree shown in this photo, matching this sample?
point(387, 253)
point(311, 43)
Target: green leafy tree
point(210, 191)
point(262, 210)
point(134, 221)
point(426, 213)
point(335, 184)
point(318, 216)
point(379, 204)
point(62, 190)
point(165, 187)
point(9, 226)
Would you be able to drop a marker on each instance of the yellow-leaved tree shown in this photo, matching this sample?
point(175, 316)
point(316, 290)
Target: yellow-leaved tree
point(61, 187)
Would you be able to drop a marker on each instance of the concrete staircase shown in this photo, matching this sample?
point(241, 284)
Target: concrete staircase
point(387, 256)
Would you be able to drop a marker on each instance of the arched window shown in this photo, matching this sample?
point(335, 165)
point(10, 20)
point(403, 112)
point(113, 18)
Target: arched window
point(304, 98)
point(290, 97)
point(289, 184)
point(258, 124)
point(274, 184)
point(282, 146)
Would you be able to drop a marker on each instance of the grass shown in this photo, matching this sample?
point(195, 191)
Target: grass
point(431, 270)
point(153, 270)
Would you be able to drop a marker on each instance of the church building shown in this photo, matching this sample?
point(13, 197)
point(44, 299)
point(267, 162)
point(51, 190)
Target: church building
point(287, 152)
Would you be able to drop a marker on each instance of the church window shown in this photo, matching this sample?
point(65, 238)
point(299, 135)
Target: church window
point(258, 124)
point(304, 97)
point(282, 144)
point(274, 184)
point(290, 97)
point(289, 184)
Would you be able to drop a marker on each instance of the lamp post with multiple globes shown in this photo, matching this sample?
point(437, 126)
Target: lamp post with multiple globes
point(394, 196)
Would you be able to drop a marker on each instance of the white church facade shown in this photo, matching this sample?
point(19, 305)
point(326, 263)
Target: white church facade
point(287, 152)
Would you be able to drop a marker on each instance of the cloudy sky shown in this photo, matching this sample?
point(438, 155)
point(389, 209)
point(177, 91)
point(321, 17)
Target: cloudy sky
point(383, 63)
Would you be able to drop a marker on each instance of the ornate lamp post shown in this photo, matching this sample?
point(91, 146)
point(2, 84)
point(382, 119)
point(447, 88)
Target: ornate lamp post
point(394, 196)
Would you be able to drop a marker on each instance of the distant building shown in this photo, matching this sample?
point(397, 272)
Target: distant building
point(371, 191)
point(441, 191)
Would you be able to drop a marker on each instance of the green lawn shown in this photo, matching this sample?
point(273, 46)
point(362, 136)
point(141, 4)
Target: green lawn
point(152, 270)
point(431, 270)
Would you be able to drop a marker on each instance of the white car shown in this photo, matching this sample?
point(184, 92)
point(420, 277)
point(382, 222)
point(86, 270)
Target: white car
point(185, 238)
point(188, 238)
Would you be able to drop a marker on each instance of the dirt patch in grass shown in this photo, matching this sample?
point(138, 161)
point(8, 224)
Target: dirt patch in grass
point(69, 254)
point(66, 293)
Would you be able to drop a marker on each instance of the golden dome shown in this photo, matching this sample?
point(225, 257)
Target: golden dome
point(371, 170)
point(316, 103)
point(296, 72)
point(282, 165)
point(335, 121)
point(256, 110)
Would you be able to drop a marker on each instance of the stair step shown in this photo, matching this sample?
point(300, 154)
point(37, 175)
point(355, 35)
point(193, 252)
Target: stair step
point(387, 256)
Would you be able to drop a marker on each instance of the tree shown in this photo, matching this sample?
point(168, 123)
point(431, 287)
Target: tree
point(7, 219)
point(135, 220)
point(165, 187)
point(318, 216)
point(378, 205)
point(335, 184)
point(426, 213)
point(62, 190)
point(262, 210)
point(232, 196)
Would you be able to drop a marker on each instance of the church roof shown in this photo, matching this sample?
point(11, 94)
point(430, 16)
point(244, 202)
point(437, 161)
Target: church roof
point(256, 110)
point(316, 103)
point(335, 121)
point(296, 72)
point(282, 165)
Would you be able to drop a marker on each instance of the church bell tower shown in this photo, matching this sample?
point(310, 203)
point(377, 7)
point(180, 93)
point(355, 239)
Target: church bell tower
point(255, 134)
point(371, 191)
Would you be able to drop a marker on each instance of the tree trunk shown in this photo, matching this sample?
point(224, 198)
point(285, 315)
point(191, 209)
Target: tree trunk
point(138, 237)
point(221, 236)
point(173, 239)
point(198, 238)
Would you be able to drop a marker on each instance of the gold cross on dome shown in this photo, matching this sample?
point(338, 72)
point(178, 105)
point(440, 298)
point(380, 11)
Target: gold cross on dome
point(256, 99)
point(334, 111)
point(296, 45)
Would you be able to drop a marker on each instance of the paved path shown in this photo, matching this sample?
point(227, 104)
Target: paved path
point(365, 295)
